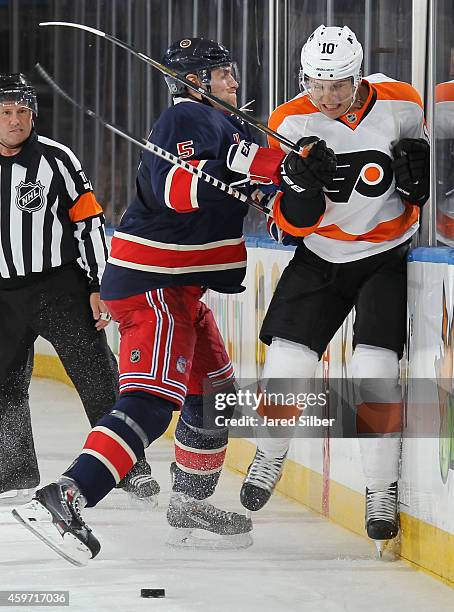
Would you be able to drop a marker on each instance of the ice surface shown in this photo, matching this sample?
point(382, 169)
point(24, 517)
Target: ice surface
point(299, 561)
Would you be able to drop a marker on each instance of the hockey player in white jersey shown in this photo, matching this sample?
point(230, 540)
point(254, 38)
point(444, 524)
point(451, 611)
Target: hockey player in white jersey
point(363, 184)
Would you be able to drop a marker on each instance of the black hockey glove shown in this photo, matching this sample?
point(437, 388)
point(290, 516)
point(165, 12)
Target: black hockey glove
point(303, 179)
point(308, 175)
point(411, 167)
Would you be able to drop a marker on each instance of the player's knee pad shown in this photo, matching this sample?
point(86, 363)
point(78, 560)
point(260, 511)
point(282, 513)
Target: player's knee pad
point(199, 448)
point(375, 372)
point(289, 369)
point(374, 362)
point(286, 359)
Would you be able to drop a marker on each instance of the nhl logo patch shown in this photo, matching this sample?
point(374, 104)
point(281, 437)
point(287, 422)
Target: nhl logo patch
point(351, 117)
point(30, 196)
point(185, 43)
point(134, 357)
point(182, 362)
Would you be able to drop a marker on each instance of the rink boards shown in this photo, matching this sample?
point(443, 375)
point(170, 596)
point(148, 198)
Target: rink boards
point(325, 474)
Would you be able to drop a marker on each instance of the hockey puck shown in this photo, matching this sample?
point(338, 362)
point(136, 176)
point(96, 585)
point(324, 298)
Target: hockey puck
point(152, 593)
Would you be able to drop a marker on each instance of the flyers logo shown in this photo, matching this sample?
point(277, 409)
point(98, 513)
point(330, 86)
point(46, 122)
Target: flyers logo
point(367, 172)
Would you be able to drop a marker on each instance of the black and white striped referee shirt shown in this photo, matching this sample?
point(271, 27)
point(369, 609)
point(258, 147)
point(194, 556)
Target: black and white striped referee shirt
point(49, 215)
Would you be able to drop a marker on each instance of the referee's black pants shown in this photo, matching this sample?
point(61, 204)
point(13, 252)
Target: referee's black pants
point(56, 307)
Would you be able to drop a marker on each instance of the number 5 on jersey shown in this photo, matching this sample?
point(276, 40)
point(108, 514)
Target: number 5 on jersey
point(185, 149)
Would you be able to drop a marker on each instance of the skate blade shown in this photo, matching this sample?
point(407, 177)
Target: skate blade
point(68, 546)
point(380, 546)
point(16, 496)
point(198, 538)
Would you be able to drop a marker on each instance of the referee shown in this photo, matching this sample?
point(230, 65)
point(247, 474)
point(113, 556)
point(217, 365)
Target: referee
point(52, 256)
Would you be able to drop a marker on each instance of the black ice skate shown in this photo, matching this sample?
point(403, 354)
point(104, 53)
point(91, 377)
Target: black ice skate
point(262, 476)
point(54, 517)
point(140, 483)
point(382, 521)
point(196, 523)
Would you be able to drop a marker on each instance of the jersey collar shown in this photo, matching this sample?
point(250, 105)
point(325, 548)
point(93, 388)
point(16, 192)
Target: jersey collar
point(182, 99)
point(353, 118)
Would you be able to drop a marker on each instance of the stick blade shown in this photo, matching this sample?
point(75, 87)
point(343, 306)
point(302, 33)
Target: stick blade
point(78, 26)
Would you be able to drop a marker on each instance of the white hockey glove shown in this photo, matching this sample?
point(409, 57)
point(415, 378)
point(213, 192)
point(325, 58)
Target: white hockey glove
point(258, 164)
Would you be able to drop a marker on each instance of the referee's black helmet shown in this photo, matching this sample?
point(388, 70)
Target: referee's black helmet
point(15, 88)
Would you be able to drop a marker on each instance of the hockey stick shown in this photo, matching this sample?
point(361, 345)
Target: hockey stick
point(184, 81)
point(149, 146)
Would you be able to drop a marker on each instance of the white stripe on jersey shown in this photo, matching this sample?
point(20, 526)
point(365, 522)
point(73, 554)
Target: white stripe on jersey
point(167, 186)
point(3, 266)
point(194, 185)
point(70, 186)
point(57, 233)
point(43, 175)
point(67, 150)
point(96, 238)
point(99, 249)
point(178, 247)
point(80, 226)
point(184, 270)
point(15, 220)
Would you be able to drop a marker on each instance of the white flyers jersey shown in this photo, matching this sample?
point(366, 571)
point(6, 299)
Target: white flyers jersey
point(364, 214)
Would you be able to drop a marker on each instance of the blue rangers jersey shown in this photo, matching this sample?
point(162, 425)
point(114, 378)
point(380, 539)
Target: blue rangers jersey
point(180, 230)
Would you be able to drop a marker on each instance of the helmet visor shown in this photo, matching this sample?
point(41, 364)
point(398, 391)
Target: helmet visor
point(329, 92)
point(25, 98)
point(227, 71)
point(230, 70)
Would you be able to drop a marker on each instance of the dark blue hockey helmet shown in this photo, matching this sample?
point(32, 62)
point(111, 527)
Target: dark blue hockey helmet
point(15, 88)
point(196, 56)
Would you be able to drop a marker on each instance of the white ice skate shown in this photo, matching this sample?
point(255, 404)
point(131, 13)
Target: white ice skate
point(197, 524)
point(382, 520)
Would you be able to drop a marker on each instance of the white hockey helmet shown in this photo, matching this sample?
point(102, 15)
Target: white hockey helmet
point(331, 53)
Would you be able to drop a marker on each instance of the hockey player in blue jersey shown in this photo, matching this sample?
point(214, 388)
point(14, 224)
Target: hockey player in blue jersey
point(178, 237)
